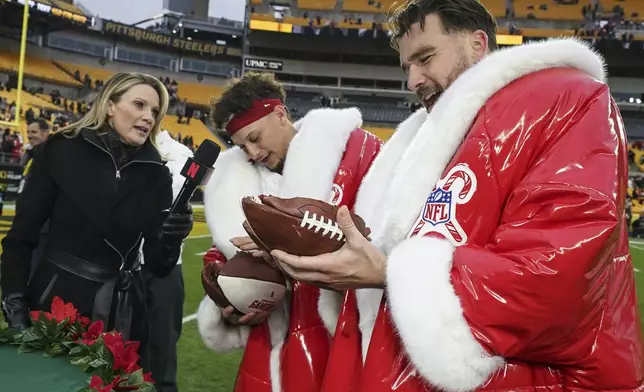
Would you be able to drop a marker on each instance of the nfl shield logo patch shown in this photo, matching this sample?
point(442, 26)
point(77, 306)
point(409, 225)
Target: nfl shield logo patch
point(438, 207)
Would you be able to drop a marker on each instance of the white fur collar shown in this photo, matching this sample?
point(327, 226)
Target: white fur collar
point(170, 149)
point(406, 171)
point(311, 164)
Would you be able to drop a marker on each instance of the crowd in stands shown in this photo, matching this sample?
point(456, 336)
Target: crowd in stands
point(635, 191)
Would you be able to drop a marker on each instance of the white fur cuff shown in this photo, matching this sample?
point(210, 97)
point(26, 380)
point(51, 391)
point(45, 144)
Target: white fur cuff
point(329, 307)
point(429, 318)
point(215, 334)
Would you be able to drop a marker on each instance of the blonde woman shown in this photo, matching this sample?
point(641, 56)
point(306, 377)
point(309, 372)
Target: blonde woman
point(104, 188)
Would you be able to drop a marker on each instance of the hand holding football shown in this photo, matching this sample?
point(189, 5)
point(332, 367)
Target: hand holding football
point(244, 282)
point(299, 226)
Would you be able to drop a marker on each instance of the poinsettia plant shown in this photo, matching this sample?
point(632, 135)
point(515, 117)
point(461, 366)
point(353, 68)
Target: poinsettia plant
point(112, 361)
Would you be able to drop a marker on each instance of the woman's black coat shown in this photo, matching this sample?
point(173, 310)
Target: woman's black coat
point(98, 215)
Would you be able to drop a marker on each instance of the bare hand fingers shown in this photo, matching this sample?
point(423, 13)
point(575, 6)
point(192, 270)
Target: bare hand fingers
point(241, 241)
point(227, 312)
point(247, 247)
point(267, 257)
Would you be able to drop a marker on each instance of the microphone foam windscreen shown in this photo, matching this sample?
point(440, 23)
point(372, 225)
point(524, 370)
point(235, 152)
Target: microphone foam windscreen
point(207, 153)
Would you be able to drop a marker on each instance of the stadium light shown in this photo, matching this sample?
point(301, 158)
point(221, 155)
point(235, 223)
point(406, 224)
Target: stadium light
point(21, 68)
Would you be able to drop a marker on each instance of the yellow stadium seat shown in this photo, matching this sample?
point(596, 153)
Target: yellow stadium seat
point(66, 6)
point(197, 129)
point(382, 133)
point(363, 6)
point(630, 7)
point(95, 73)
point(495, 7)
point(554, 12)
point(37, 67)
point(316, 4)
point(201, 94)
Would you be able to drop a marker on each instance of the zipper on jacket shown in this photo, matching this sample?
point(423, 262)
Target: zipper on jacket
point(118, 171)
point(128, 252)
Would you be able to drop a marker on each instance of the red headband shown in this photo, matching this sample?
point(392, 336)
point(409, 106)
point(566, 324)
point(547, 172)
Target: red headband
point(260, 108)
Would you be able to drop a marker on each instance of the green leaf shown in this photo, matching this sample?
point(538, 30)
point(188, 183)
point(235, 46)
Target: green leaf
point(98, 362)
point(81, 360)
point(146, 387)
point(24, 348)
point(135, 378)
point(54, 349)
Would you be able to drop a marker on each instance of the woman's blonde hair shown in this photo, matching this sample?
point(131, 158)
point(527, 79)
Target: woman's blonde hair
point(96, 118)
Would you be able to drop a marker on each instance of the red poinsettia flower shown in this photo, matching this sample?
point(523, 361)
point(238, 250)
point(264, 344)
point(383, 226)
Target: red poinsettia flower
point(125, 354)
point(84, 321)
point(96, 384)
point(93, 332)
point(147, 377)
point(35, 315)
point(59, 312)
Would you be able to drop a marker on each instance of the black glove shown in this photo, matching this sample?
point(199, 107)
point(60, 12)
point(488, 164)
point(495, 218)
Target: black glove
point(177, 226)
point(16, 311)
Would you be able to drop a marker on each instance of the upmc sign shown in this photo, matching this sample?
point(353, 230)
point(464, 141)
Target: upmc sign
point(263, 64)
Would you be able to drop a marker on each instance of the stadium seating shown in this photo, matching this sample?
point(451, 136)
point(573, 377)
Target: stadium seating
point(554, 11)
point(37, 67)
point(630, 7)
point(95, 73)
point(66, 6)
point(196, 129)
point(382, 133)
point(316, 4)
point(201, 94)
point(383, 6)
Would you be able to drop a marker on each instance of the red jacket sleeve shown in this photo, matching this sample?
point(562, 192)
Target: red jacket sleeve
point(535, 291)
point(214, 255)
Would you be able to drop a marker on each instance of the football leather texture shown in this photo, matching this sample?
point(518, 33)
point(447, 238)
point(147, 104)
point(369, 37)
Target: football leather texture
point(245, 282)
point(299, 226)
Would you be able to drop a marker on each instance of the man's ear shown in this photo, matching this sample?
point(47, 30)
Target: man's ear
point(282, 114)
point(479, 45)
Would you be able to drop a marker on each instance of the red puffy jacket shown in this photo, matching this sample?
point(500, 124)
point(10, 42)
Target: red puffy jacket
point(326, 160)
point(502, 215)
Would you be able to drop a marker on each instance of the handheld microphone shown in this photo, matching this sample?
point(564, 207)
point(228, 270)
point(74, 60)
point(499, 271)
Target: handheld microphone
point(197, 171)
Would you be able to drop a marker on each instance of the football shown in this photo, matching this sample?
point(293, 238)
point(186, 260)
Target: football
point(245, 282)
point(299, 226)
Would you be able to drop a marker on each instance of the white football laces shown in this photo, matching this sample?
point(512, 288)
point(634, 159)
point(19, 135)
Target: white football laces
point(312, 222)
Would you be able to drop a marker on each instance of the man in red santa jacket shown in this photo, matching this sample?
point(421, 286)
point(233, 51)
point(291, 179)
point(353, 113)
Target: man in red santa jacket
point(497, 217)
point(323, 156)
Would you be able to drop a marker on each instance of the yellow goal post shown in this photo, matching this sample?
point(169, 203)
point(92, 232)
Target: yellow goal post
point(21, 68)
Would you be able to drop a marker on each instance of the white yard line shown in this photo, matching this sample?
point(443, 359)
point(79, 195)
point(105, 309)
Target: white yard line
point(192, 237)
point(189, 318)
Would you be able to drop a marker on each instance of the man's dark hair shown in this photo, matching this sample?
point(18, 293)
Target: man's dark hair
point(241, 94)
point(457, 16)
point(42, 125)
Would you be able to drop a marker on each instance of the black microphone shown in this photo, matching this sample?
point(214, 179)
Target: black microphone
point(197, 171)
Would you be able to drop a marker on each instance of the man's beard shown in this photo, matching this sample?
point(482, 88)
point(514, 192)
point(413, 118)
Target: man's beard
point(279, 168)
point(434, 93)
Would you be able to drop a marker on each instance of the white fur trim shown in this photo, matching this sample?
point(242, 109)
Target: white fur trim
point(234, 177)
point(176, 155)
point(315, 152)
point(329, 306)
point(368, 306)
point(215, 334)
point(428, 316)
